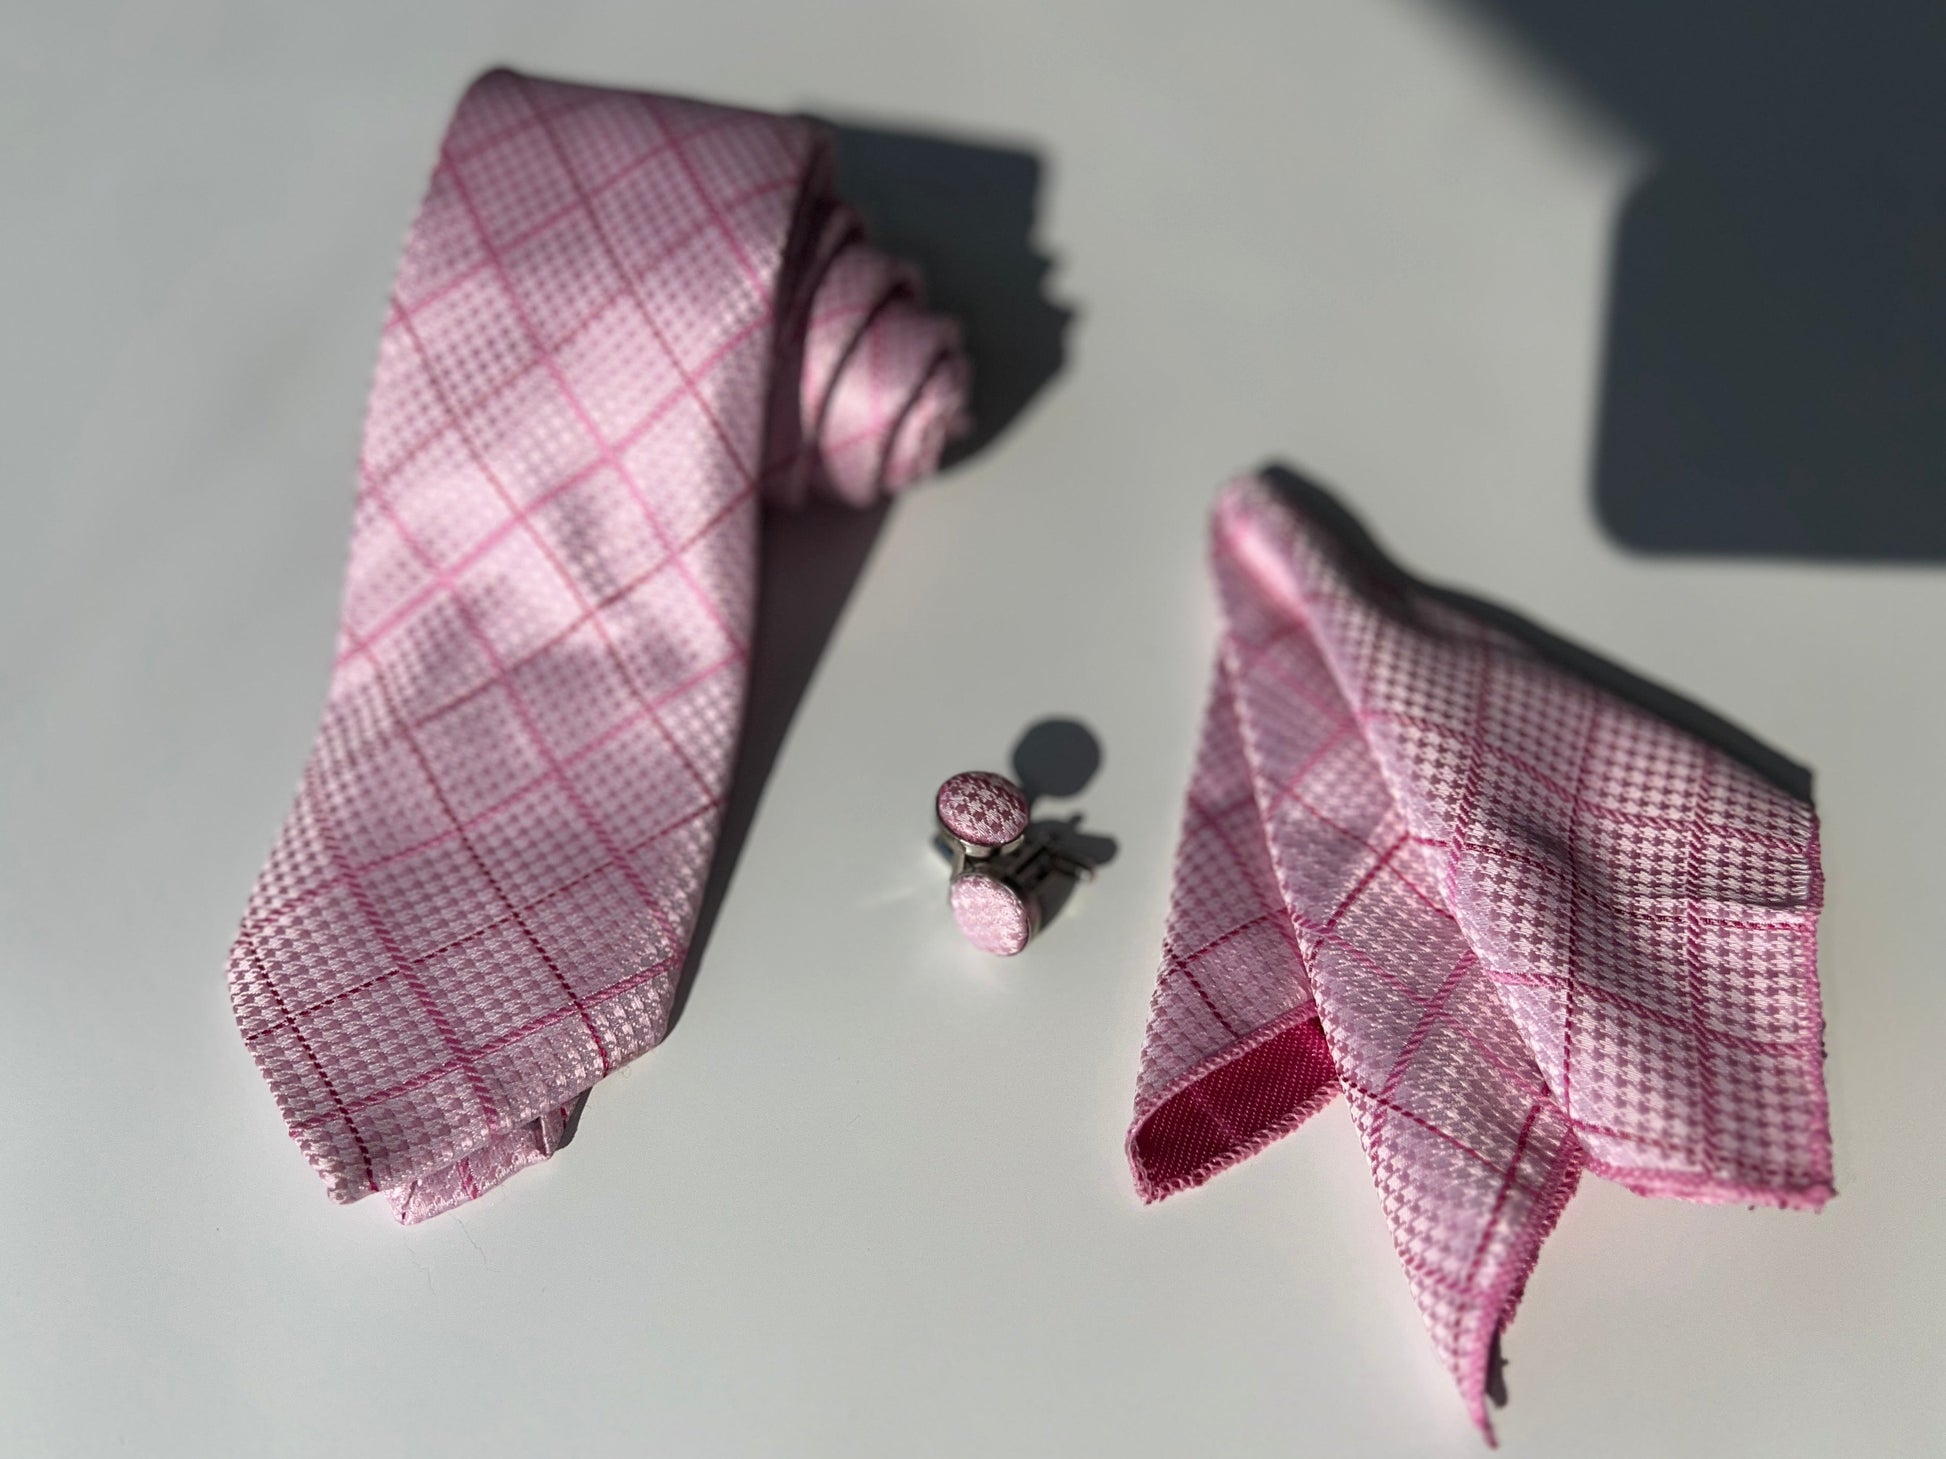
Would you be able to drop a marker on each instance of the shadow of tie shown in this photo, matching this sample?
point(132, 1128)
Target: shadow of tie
point(964, 213)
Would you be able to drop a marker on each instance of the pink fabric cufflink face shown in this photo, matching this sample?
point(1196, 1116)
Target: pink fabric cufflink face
point(981, 810)
point(993, 915)
point(1001, 860)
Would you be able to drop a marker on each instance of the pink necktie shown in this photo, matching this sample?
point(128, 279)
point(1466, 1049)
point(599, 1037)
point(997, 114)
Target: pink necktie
point(1527, 928)
point(619, 321)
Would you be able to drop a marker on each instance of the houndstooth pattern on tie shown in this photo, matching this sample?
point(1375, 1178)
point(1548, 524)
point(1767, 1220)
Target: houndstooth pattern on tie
point(1528, 929)
point(620, 319)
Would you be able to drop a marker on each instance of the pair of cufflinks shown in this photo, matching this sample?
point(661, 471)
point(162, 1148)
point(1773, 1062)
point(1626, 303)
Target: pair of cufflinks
point(1002, 860)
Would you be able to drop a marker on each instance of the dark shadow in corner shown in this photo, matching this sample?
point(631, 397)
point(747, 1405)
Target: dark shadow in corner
point(1058, 758)
point(965, 213)
point(1775, 371)
point(1391, 586)
point(1775, 380)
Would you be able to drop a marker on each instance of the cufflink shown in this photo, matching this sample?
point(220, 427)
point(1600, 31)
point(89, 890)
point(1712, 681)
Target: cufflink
point(993, 914)
point(1000, 860)
point(981, 814)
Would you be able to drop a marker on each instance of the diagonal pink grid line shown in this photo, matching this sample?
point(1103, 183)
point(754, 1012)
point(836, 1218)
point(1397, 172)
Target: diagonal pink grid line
point(1392, 1106)
point(1648, 1012)
point(514, 697)
point(1590, 896)
point(398, 312)
point(607, 455)
point(699, 289)
point(1175, 959)
point(1203, 993)
point(479, 862)
point(703, 194)
point(358, 646)
point(502, 671)
point(768, 310)
point(248, 943)
point(1504, 1248)
point(1431, 1013)
point(1693, 970)
point(766, 313)
point(1312, 602)
point(615, 731)
point(1642, 819)
point(540, 1023)
point(532, 904)
point(1493, 1216)
point(1195, 811)
point(534, 231)
point(462, 1059)
point(1807, 1046)
point(1372, 873)
point(514, 523)
point(1512, 1077)
point(526, 124)
point(1222, 835)
point(395, 953)
point(613, 460)
point(1328, 930)
point(1266, 662)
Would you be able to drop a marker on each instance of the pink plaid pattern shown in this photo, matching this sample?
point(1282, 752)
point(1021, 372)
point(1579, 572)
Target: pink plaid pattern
point(619, 320)
point(1527, 928)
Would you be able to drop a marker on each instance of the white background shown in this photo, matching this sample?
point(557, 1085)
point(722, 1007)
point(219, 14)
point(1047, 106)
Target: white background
point(869, 1198)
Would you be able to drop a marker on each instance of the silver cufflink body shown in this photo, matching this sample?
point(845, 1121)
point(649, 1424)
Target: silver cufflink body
point(1000, 860)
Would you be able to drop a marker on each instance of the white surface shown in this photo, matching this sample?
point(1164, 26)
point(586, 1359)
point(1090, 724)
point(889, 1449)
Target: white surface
point(869, 1199)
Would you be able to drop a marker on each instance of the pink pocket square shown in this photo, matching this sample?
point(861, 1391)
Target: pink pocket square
point(1527, 927)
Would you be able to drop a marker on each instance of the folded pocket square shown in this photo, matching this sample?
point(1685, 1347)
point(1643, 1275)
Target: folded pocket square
point(1528, 926)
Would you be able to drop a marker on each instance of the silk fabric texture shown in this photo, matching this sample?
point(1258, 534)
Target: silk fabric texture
point(621, 323)
point(1528, 929)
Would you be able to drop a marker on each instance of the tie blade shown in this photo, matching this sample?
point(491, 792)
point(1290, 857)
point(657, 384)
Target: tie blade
point(482, 900)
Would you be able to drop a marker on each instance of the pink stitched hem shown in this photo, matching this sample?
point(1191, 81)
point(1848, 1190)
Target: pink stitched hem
point(1807, 1195)
point(1292, 1035)
point(1709, 1191)
point(1504, 1296)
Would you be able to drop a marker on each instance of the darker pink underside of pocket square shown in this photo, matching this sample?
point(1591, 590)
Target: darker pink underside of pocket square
point(621, 321)
point(1526, 927)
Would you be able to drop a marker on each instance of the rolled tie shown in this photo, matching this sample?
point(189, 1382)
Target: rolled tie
point(883, 382)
